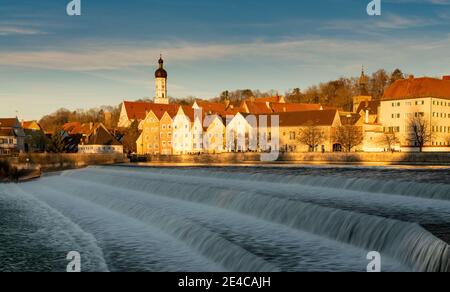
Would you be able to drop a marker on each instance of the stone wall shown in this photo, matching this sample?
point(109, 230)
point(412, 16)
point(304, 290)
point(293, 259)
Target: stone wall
point(385, 158)
point(50, 161)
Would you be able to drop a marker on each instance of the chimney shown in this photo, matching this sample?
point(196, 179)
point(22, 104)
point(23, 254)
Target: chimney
point(446, 77)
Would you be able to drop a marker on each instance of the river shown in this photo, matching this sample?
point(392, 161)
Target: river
point(235, 218)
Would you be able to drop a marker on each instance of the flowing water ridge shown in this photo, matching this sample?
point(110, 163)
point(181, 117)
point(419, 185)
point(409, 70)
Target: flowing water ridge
point(228, 219)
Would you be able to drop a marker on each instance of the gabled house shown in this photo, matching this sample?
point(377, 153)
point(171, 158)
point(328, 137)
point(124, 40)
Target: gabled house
point(137, 111)
point(12, 136)
point(241, 130)
point(35, 138)
point(154, 132)
point(214, 140)
point(100, 141)
point(183, 134)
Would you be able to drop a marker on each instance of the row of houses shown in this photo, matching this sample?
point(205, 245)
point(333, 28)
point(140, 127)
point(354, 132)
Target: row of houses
point(90, 138)
point(413, 115)
point(219, 127)
point(29, 137)
point(16, 136)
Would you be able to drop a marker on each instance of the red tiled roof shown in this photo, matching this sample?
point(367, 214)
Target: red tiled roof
point(29, 124)
point(74, 128)
point(418, 88)
point(216, 108)
point(159, 112)
point(8, 123)
point(274, 99)
point(26, 125)
point(138, 110)
point(294, 107)
point(101, 136)
point(7, 133)
point(211, 106)
point(316, 118)
point(189, 112)
point(255, 108)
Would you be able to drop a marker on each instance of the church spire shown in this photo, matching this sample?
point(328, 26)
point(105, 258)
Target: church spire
point(363, 83)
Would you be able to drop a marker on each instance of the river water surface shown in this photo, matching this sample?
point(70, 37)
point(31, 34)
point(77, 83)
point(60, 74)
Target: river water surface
point(253, 218)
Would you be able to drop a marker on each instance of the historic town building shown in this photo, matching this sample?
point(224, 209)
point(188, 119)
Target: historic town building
point(100, 141)
point(418, 100)
point(161, 84)
point(155, 130)
point(12, 136)
point(35, 139)
point(294, 124)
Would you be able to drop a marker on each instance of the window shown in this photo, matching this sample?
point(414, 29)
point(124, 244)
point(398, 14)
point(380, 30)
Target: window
point(291, 135)
point(419, 114)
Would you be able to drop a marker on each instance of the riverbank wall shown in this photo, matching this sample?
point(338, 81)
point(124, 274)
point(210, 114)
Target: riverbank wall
point(340, 158)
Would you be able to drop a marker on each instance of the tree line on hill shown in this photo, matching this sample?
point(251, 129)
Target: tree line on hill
point(337, 93)
point(56, 120)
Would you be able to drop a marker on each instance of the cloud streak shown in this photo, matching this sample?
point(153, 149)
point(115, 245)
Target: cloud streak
point(101, 57)
point(12, 30)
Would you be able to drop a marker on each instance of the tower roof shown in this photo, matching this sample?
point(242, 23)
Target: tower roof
point(363, 81)
point(362, 78)
point(161, 73)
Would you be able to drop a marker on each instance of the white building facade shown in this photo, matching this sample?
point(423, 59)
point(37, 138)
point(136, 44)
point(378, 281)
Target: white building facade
point(413, 98)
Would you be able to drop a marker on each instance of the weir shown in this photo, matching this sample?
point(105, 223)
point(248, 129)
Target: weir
point(232, 221)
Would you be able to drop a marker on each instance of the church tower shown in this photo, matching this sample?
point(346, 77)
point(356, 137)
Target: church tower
point(363, 84)
point(161, 84)
point(364, 95)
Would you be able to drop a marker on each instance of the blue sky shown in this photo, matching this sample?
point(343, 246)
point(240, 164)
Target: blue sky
point(49, 60)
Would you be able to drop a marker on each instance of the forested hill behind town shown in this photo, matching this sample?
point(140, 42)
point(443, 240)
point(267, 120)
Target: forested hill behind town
point(337, 93)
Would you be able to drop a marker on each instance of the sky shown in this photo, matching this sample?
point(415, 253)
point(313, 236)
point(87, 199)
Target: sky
point(49, 60)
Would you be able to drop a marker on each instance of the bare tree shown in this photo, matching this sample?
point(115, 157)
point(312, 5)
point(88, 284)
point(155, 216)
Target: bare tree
point(419, 131)
point(130, 137)
point(349, 136)
point(389, 139)
point(312, 136)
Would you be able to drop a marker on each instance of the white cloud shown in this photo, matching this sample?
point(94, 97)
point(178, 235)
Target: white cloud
point(12, 30)
point(305, 51)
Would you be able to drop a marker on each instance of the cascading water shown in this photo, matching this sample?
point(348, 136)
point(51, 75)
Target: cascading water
point(167, 219)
